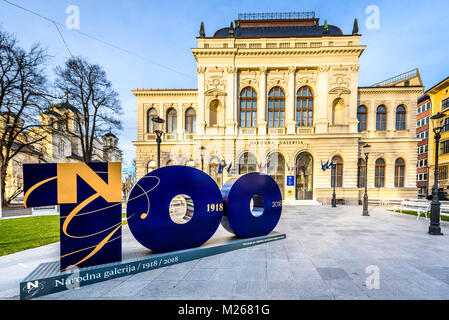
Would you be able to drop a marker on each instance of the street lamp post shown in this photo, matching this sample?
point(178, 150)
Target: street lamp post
point(434, 228)
point(365, 196)
point(157, 121)
point(202, 148)
point(334, 178)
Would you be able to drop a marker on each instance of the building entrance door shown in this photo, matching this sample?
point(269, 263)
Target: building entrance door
point(304, 176)
point(276, 169)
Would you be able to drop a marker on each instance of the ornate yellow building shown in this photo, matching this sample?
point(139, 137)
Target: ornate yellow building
point(279, 94)
point(439, 101)
point(60, 145)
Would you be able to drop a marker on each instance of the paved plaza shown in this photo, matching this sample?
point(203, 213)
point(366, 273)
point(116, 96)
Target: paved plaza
point(329, 253)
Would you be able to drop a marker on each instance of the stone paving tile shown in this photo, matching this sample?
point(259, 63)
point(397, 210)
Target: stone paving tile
point(312, 288)
point(333, 274)
point(324, 256)
point(173, 274)
point(226, 274)
point(147, 275)
point(258, 272)
point(157, 289)
point(125, 289)
point(283, 288)
point(300, 273)
point(250, 290)
point(345, 288)
point(220, 288)
point(199, 274)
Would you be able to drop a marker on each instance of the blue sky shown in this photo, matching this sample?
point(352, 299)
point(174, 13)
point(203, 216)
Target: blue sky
point(411, 34)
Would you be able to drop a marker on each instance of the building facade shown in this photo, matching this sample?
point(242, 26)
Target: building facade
point(422, 132)
point(439, 101)
point(279, 94)
point(60, 145)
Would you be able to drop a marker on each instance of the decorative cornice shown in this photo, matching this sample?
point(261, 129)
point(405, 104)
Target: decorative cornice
point(164, 92)
point(417, 90)
point(354, 67)
point(355, 50)
point(231, 69)
point(324, 68)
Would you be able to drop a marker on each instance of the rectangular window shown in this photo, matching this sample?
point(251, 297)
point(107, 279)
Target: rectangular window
point(442, 173)
point(444, 147)
point(445, 104)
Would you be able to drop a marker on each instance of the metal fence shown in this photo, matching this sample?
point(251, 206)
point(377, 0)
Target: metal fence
point(276, 15)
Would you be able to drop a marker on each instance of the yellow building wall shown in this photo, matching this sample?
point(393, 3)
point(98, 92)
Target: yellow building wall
point(437, 95)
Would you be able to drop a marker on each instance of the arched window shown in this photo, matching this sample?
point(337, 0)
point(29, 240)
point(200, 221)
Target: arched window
point(276, 107)
point(399, 173)
point(248, 108)
point(400, 117)
point(170, 163)
point(191, 163)
point(361, 116)
point(151, 166)
point(379, 174)
point(304, 107)
point(361, 172)
point(171, 120)
point(337, 173)
point(152, 113)
point(247, 163)
point(190, 120)
point(275, 164)
point(381, 118)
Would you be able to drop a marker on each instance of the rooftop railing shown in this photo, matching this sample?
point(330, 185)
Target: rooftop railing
point(402, 77)
point(276, 15)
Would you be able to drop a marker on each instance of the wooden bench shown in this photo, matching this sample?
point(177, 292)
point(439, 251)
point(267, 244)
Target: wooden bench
point(444, 209)
point(419, 206)
point(375, 201)
point(390, 202)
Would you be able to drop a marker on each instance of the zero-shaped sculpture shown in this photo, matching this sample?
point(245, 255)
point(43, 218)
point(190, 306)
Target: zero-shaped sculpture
point(148, 209)
point(260, 219)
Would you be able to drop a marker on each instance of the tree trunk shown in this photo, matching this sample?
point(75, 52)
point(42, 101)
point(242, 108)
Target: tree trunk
point(3, 185)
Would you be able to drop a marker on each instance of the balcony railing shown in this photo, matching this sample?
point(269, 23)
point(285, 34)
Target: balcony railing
point(276, 15)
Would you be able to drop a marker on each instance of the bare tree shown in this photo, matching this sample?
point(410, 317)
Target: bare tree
point(92, 95)
point(129, 179)
point(23, 96)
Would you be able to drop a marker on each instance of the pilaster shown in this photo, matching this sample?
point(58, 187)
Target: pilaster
point(290, 107)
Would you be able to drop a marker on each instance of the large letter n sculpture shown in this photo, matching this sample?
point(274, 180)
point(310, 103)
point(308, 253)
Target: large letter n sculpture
point(89, 195)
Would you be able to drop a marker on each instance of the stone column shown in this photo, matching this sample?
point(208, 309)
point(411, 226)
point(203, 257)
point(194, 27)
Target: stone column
point(391, 118)
point(231, 113)
point(141, 121)
point(262, 102)
point(179, 120)
point(371, 118)
point(322, 123)
point(290, 107)
point(200, 121)
point(352, 116)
